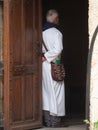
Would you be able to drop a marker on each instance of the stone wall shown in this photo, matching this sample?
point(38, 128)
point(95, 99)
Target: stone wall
point(93, 40)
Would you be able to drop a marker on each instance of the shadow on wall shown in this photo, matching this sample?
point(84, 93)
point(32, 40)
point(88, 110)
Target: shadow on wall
point(89, 72)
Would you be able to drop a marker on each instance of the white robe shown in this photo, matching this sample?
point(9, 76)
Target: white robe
point(53, 91)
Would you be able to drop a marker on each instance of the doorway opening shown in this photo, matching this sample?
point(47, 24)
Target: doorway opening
point(74, 26)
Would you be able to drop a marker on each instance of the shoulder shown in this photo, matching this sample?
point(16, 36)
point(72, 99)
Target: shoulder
point(53, 31)
point(57, 32)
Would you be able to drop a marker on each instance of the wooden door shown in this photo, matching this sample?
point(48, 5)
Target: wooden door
point(22, 64)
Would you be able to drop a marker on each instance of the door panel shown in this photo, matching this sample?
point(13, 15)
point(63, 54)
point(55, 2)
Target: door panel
point(29, 31)
point(29, 107)
point(15, 31)
point(16, 105)
point(22, 80)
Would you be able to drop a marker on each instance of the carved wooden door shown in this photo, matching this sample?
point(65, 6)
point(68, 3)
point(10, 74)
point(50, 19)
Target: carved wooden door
point(22, 64)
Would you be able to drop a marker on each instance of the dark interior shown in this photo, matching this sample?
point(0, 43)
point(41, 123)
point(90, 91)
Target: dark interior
point(74, 26)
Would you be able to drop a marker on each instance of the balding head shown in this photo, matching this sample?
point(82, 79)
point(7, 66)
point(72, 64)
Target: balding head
point(52, 15)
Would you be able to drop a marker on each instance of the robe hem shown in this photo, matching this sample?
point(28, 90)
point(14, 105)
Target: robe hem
point(56, 114)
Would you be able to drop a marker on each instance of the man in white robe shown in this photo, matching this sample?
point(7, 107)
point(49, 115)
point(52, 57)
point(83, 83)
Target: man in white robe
point(53, 91)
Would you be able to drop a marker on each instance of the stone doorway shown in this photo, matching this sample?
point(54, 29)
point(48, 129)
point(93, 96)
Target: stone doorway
point(74, 63)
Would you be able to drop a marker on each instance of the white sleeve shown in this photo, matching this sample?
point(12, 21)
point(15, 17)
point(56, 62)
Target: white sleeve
point(43, 49)
point(57, 48)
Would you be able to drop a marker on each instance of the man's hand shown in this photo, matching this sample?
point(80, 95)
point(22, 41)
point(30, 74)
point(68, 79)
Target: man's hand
point(43, 59)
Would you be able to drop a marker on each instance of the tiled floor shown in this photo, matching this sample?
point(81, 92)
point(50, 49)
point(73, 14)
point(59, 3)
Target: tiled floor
point(77, 127)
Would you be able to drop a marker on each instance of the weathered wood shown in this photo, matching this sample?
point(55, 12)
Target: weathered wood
point(1, 64)
point(22, 79)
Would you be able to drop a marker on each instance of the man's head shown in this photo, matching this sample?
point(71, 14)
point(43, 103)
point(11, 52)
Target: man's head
point(52, 16)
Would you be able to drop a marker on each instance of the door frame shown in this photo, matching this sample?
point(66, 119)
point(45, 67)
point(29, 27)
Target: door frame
point(6, 64)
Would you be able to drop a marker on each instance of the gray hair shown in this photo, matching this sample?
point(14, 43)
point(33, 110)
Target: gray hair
point(51, 15)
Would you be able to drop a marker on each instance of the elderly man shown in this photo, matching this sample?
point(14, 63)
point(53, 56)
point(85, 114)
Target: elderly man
point(53, 91)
